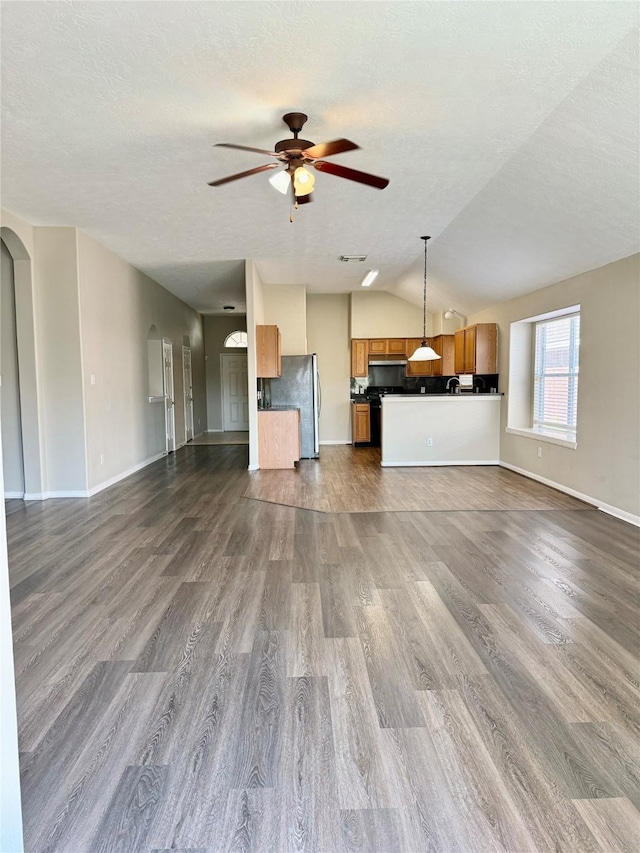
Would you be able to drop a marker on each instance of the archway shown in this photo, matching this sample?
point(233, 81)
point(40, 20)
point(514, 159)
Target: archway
point(31, 426)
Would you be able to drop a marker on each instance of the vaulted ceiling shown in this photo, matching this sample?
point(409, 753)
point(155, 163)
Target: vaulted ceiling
point(508, 131)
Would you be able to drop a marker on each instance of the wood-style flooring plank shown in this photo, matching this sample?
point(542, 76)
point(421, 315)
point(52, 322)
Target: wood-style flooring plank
point(445, 664)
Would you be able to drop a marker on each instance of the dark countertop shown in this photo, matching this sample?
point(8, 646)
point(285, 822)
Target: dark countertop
point(360, 398)
point(281, 409)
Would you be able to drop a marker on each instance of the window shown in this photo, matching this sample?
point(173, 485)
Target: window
point(555, 376)
point(236, 339)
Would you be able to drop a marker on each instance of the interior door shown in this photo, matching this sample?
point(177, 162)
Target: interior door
point(169, 407)
point(235, 393)
point(188, 393)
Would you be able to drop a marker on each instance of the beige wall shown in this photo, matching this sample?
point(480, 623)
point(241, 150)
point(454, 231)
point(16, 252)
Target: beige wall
point(216, 330)
point(328, 336)
point(60, 364)
point(285, 306)
point(119, 304)
point(255, 317)
point(606, 464)
point(379, 314)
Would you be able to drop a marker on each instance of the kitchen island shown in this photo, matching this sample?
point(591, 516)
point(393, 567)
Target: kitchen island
point(440, 429)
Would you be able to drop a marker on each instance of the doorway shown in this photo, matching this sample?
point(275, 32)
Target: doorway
point(11, 419)
point(169, 400)
point(235, 393)
point(187, 385)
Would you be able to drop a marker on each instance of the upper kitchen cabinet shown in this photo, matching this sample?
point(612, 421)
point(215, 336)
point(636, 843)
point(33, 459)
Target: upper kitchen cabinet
point(359, 358)
point(268, 352)
point(418, 368)
point(444, 345)
point(476, 349)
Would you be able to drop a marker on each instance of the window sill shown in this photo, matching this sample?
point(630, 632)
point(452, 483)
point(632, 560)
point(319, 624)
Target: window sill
point(547, 437)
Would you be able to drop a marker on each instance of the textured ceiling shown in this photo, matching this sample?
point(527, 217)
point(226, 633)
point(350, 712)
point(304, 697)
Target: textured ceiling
point(509, 132)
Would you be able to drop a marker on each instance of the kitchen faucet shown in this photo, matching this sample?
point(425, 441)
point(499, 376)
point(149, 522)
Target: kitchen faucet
point(484, 384)
point(449, 383)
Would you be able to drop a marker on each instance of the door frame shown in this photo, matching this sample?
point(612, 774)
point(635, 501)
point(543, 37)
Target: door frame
point(188, 396)
point(169, 398)
point(223, 389)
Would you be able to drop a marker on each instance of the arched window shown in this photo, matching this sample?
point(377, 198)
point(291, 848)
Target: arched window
point(236, 339)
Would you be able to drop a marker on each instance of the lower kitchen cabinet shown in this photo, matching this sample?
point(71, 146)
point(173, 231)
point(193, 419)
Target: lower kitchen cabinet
point(278, 438)
point(360, 423)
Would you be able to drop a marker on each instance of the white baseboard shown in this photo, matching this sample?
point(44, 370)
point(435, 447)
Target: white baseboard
point(622, 514)
point(14, 495)
point(124, 474)
point(253, 467)
point(435, 464)
point(214, 430)
point(340, 441)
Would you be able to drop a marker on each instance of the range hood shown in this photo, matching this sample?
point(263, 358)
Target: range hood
point(387, 361)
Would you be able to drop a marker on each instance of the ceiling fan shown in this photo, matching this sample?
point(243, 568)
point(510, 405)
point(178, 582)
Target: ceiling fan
point(296, 154)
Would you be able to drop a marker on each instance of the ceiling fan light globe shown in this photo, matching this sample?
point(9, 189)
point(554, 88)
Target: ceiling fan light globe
point(424, 353)
point(281, 181)
point(303, 181)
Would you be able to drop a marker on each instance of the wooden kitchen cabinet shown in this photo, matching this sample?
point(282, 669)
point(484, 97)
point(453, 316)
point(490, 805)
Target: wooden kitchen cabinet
point(444, 345)
point(397, 346)
point(359, 358)
point(268, 352)
point(476, 349)
point(360, 423)
point(378, 346)
point(418, 368)
point(278, 438)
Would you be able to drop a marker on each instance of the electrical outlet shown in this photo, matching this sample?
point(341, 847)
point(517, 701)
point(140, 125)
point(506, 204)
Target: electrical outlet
point(429, 442)
point(102, 458)
point(539, 453)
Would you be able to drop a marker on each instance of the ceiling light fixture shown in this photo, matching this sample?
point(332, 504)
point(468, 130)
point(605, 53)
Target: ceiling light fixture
point(369, 278)
point(424, 351)
point(281, 181)
point(450, 313)
point(303, 181)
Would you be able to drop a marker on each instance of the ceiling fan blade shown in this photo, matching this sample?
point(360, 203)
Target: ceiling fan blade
point(326, 149)
point(245, 148)
point(244, 174)
point(351, 174)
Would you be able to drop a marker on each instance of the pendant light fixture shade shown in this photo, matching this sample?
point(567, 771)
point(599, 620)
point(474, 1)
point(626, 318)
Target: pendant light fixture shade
point(424, 351)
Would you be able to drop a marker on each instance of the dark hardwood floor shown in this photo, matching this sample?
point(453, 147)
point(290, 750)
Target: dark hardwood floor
point(202, 671)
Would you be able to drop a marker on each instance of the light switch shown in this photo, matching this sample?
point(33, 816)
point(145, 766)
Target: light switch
point(93, 378)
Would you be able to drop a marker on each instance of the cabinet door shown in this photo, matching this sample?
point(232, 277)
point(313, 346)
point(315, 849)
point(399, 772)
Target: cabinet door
point(359, 358)
point(459, 351)
point(396, 346)
point(470, 349)
point(268, 358)
point(378, 346)
point(486, 348)
point(361, 423)
point(418, 368)
point(444, 346)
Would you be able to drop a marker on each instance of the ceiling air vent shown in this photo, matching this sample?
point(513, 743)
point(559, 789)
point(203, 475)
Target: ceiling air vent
point(350, 259)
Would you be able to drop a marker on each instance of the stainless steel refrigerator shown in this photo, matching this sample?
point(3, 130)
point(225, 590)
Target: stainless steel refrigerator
point(299, 386)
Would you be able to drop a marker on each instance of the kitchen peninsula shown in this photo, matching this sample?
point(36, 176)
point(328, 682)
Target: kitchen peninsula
point(440, 429)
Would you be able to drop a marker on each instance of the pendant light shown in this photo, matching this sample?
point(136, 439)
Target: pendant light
point(424, 351)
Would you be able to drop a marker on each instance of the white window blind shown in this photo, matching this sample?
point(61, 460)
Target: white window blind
point(555, 404)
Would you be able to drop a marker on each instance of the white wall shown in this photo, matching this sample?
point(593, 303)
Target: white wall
point(463, 430)
point(10, 392)
point(10, 802)
point(216, 330)
point(118, 306)
point(285, 306)
point(379, 314)
point(328, 336)
point(606, 464)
